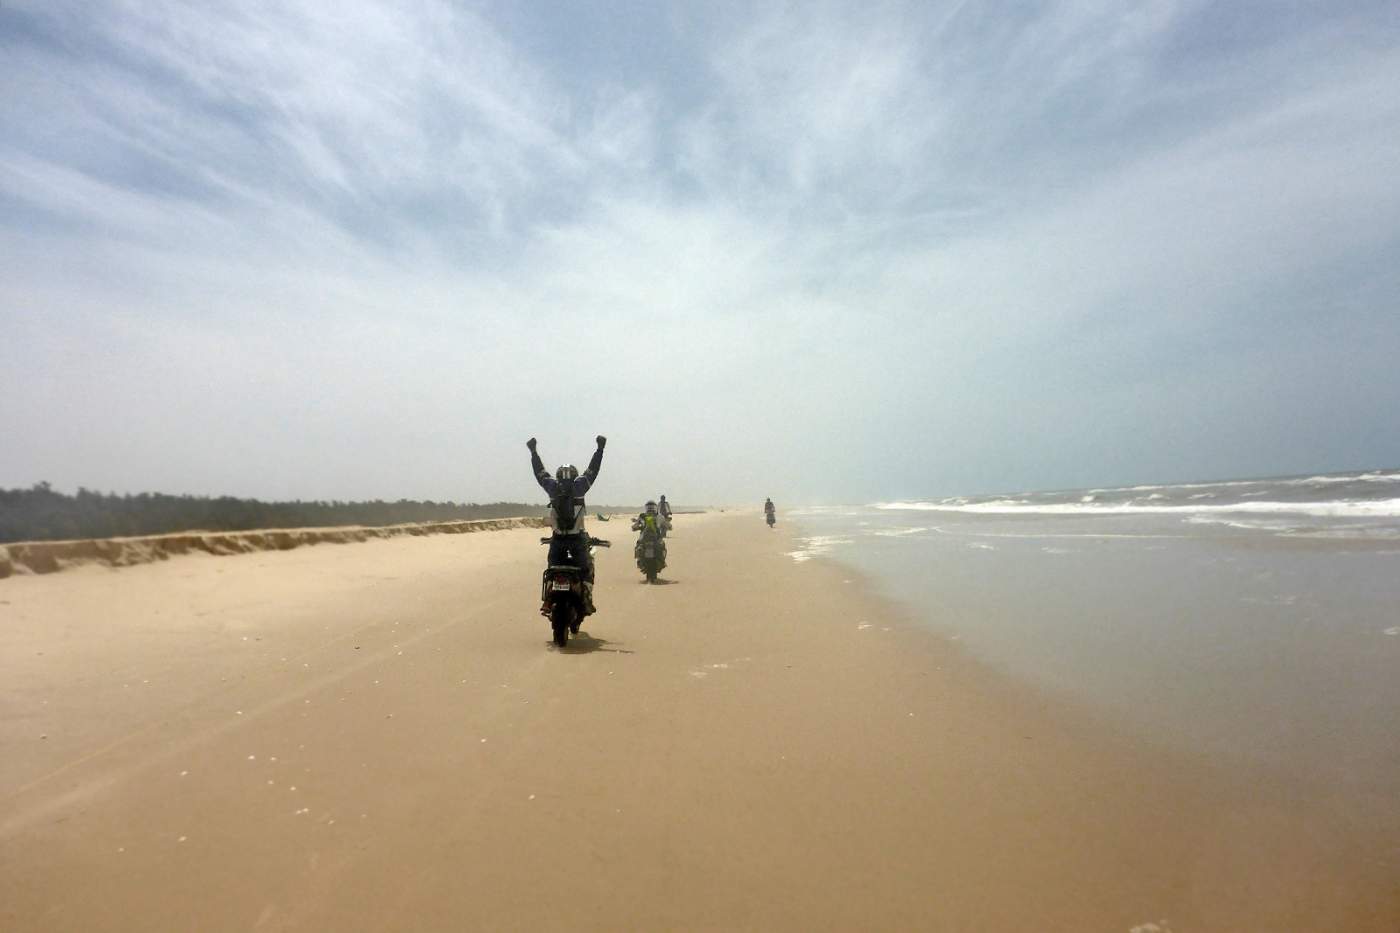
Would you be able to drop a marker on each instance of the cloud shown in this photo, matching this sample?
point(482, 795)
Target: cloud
point(875, 251)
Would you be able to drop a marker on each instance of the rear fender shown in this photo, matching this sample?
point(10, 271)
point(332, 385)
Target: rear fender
point(548, 594)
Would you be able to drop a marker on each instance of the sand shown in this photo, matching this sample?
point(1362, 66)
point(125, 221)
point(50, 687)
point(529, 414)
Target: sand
point(380, 737)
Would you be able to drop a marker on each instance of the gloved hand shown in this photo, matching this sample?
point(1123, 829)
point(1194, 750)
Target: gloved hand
point(531, 444)
point(602, 441)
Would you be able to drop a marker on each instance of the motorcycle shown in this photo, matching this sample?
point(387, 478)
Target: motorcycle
point(772, 519)
point(651, 554)
point(562, 596)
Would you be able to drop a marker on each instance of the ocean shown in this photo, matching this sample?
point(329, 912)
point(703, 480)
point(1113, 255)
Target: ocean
point(1256, 622)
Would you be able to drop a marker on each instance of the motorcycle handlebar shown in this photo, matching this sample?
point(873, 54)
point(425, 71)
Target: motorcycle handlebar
point(593, 542)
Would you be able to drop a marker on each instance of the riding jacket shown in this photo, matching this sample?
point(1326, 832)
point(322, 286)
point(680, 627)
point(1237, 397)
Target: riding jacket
point(559, 495)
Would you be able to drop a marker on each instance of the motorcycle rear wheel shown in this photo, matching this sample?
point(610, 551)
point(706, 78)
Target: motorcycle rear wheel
point(561, 617)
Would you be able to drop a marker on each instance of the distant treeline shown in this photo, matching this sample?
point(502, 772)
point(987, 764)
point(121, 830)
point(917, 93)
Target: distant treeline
point(41, 514)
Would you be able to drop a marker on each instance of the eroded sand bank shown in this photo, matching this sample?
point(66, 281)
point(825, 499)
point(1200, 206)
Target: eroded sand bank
point(52, 556)
point(381, 738)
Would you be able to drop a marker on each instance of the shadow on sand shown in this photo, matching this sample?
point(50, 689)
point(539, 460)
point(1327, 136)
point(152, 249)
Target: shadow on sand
point(660, 581)
point(584, 643)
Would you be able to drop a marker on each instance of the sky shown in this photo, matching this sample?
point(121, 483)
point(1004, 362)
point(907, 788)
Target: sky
point(824, 252)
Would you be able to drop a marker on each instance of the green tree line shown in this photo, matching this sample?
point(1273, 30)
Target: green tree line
point(41, 513)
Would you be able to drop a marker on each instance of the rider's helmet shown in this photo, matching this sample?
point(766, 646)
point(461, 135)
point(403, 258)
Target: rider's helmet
point(566, 472)
point(651, 508)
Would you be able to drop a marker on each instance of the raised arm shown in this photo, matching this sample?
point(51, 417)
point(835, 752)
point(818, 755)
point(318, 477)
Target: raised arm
point(585, 481)
point(542, 476)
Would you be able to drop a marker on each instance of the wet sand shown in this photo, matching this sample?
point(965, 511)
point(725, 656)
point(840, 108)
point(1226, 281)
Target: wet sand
point(378, 736)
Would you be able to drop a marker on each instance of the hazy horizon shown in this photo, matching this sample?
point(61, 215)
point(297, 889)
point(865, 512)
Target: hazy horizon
point(827, 253)
point(603, 503)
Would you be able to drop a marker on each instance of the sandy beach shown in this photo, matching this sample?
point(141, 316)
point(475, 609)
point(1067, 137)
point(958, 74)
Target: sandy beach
point(379, 736)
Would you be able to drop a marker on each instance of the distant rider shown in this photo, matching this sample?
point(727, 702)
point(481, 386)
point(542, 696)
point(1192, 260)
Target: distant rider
point(566, 488)
point(650, 524)
point(769, 511)
point(663, 509)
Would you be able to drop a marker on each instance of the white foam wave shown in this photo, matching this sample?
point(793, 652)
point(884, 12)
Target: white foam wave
point(1373, 476)
point(1150, 487)
point(1247, 524)
point(899, 532)
point(816, 546)
point(1336, 509)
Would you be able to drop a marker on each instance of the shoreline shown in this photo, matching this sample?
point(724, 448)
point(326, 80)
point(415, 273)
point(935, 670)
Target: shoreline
point(760, 744)
point(1274, 665)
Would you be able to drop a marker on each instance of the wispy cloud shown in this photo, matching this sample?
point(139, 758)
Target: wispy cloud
point(289, 249)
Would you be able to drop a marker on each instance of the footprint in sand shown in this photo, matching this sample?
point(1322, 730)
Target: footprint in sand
point(862, 626)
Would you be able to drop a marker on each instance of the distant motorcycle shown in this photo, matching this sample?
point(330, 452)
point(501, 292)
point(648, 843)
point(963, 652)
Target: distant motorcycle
point(650, 553)
point(772, 519)
point(563, 596)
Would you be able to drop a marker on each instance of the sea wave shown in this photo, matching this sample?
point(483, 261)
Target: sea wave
point(816, 546)
point(1325, 509)
point(1327, 479)
point(900, 532)
point(1373, 477)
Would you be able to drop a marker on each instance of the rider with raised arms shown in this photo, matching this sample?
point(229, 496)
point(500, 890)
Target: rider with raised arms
point(566, 489)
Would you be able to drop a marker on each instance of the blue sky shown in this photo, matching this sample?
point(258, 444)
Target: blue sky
point(824, 252)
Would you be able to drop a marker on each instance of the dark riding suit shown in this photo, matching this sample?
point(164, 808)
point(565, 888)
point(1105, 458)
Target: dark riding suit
point(569, 544)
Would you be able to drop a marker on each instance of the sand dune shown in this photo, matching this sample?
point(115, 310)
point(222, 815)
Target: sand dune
point(382, 738)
